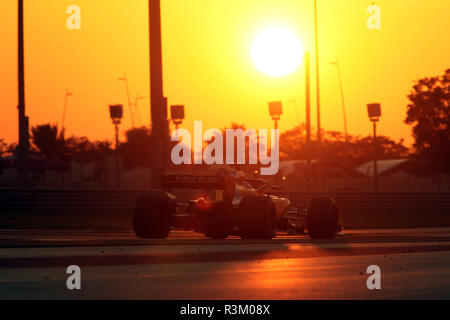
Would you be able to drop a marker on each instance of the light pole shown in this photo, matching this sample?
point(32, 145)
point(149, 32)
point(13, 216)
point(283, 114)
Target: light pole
point(66, 98)
point(308, 118)
point(307, 58)
point(160, 124)
point(116, 114)
point(374, 111)
point(344, 112)
point(319, 133)
point(276, 111)
point(24, 135)
point(125, 80)
point(177, 115)
point(341, 86)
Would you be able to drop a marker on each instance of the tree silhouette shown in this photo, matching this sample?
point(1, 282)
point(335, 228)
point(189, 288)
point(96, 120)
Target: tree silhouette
point(429, 115)
point(356, 151)
point(3, 147)
point(45, 138)
point(136, 150)
point(84, 150)
point(51, 145)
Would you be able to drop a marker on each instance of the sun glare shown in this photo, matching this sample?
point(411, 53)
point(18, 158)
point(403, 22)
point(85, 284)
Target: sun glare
point(276, 52)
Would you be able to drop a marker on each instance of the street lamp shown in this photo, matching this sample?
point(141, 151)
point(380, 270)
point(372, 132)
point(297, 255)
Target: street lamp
point(344, 112)
point(341, 86)
point(125, 80)
point(116, 114)
point(177, 115)
point(374, 111)
point(66, 98)
point(276, 111)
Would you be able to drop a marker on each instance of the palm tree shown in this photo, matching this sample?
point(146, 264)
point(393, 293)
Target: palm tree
point(46, 139)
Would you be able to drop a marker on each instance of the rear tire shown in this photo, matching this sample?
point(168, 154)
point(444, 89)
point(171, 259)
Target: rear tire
point(256, 218)
point(152, 216)
point(218, 221)
point(322, 218)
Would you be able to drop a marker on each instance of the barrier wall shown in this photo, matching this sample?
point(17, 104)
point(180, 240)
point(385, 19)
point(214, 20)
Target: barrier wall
point(96, 209)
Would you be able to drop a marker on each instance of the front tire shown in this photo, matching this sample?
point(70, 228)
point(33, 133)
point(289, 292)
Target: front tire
point(257, 219)
point(322, 218)
point(152, 216)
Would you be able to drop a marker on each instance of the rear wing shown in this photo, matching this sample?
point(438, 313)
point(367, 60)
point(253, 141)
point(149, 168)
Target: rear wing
point(224, 183)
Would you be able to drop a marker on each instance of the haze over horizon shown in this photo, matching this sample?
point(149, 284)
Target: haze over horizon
point(207, 63)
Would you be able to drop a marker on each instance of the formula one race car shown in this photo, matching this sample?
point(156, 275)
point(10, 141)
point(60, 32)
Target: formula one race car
point(228, 206)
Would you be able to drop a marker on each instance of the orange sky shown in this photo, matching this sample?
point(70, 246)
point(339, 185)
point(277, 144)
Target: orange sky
point(207, 62)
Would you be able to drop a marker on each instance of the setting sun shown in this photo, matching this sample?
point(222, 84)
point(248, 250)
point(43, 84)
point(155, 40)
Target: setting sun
point(276, 52)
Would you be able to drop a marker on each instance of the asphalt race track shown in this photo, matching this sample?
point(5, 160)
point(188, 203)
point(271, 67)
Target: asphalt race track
point(415, 263)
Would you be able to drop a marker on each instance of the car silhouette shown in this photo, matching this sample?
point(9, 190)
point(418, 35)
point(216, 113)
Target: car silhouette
point(230, 206)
